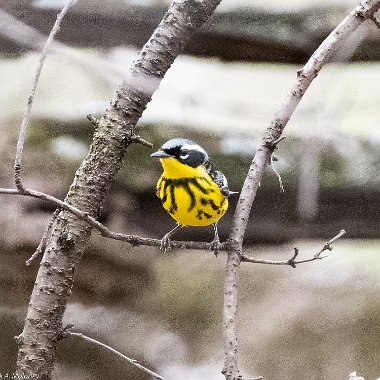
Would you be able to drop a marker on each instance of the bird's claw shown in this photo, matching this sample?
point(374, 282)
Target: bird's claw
point(165, 241)
point(214, 246)
point(165, 244)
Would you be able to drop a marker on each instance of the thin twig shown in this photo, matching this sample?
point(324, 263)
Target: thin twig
point(42, 246)
point(276, 142)
point(139, 140)
point(119, 354)
point(16, 30)
point(375, 20)
point(93, 120)
point(277, 174)
point(292, 261)
point(104, 231)
point(28, 108)
point(327, 246)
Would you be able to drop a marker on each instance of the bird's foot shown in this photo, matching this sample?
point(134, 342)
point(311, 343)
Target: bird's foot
point(165, 244)
point(214, 246)
point(165, 241)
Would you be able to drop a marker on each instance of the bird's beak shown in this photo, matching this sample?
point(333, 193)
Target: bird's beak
point(160, 154)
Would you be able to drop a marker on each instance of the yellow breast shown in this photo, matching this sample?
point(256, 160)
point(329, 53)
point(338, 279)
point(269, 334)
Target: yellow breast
point(189, 194)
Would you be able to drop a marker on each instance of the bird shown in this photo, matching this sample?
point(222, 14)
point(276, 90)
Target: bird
point(191, 190)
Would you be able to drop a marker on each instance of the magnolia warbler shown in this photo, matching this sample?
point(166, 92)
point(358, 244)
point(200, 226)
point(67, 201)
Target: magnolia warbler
point(192, 191)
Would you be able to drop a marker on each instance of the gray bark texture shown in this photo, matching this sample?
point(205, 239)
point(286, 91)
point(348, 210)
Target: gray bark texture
point(364, 11)
point(115, 131)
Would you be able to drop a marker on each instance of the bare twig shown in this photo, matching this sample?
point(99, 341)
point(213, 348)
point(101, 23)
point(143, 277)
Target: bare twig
point(137, 240)
point(28, 109)
point(104, 231)
point(93, 120)
point(276, 142)
point(41, 247)
point(139, 140)
point(375, 20)
point(24, 34)
point(277, 174)
point(119, 354)
point(57, 202)
point(327, 246)
point(365, 10)
point(292, 261)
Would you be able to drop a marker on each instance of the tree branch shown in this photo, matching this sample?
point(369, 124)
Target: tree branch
point(104, 231)
point(365, 10)
point(375, 21)
point(138, 240)
point(292, 261)
point(24, 34)
point(41, 247)
point(119, 354)
point(28, 109)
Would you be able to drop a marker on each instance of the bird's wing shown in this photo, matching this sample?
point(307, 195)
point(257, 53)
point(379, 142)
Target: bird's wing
point(219, 178)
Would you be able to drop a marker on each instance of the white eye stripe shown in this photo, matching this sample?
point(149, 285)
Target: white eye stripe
point(193, 147)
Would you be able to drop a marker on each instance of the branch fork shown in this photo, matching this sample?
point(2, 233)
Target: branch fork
point(292, 261)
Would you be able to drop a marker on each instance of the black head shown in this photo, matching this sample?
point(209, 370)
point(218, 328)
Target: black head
point(185, 151)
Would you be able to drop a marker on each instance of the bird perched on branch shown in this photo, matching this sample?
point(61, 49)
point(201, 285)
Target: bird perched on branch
point(191, 190)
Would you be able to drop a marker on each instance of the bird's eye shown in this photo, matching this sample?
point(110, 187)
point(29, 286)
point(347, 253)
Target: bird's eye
point(184, 154)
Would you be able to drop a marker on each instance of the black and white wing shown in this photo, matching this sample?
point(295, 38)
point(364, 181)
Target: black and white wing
point(219, 178)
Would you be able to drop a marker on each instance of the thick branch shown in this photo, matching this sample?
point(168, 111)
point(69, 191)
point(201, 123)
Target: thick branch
point(365, 10)
point(114, 133)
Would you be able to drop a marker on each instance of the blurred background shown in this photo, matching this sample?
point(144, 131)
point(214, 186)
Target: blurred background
point(318, 321)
